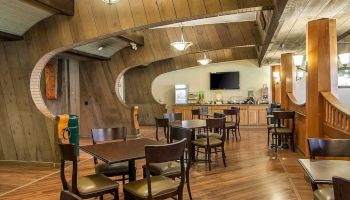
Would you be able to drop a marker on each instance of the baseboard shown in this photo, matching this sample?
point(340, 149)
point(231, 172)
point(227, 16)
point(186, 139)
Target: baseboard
point(30, 163)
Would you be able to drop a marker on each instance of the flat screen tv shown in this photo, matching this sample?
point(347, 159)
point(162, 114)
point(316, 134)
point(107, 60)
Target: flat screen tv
point(224, 80)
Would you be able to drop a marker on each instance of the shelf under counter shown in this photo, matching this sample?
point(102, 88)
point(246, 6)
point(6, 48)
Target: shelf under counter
point(250, 114)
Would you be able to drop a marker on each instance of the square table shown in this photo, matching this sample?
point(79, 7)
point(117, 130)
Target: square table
point(115, 152)
point(322, 171)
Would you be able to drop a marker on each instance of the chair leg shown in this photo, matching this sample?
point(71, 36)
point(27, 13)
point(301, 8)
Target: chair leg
point(116, 195)
point(223, 155)
point(101, 197)
point(157, 134)
point(239, 132)
point(144, 172)
point(236, 133)
point(228, 134)
point(209, 158)
point(268, 138)
point(188, 183)
point(123, 176)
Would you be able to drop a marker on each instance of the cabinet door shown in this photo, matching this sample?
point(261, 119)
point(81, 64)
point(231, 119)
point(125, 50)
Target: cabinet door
point(262, 117)
point(253, 117)
point(244, 117)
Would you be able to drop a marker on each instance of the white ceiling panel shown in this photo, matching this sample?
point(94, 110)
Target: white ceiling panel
point(16, 16)
point(110, 47)
point(249, 16)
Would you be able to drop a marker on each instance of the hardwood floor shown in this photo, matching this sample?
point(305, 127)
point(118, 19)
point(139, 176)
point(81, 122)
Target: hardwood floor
point(251, 173)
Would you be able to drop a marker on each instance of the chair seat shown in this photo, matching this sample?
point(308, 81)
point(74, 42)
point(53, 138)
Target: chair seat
point(93, 183)
point(324, 194)
point(210, 134)
point(283, 130)
point(113, 169)
point(165, 169)
point(203, 142)
point(160, 185)
point(230, 124)
point(270, 126)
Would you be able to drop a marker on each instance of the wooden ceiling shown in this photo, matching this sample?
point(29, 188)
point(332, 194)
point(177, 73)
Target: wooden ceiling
point(290, 35)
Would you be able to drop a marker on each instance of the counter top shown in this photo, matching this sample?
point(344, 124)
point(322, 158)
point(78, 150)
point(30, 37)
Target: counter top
point(262, 104)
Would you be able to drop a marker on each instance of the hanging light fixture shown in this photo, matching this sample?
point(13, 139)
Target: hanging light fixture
point(110, 2)
point(205, 60)
point(182, 45)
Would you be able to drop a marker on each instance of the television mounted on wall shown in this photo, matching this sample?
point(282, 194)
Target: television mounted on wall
point(224, 81)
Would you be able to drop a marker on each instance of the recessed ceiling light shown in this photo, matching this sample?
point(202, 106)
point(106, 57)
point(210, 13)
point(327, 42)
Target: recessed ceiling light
point(100, 48)
point(110, 2)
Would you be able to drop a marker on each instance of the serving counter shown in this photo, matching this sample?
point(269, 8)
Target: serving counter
point(251, 114)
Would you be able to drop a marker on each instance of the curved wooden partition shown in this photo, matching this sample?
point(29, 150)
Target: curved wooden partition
point(336, 117)
point(300, 121)
point(28, 128)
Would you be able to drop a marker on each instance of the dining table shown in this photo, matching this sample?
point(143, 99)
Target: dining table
point(322, 171)
point(121, 151)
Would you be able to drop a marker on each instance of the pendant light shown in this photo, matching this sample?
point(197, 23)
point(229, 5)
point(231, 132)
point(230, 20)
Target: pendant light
point(110, 2)
point(182, 45)
point(205, 60)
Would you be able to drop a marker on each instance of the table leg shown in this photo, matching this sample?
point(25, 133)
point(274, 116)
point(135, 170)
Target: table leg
point(132, 171)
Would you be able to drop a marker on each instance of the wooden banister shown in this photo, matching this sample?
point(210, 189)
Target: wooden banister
point(336, 114)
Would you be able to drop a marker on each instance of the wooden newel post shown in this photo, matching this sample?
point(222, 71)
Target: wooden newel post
point(322, 71)
point(276, 84)
point(287, 81)
point(135, 127)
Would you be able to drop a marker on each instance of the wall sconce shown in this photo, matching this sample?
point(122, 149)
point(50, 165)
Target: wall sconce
point(344, 58)
point(298, 62)
point(276, 76)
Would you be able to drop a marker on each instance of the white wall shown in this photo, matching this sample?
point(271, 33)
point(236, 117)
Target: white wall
point(344, 95)
point(251, 77)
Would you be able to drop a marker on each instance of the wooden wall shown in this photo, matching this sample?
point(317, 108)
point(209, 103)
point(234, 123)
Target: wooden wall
point(26, 134)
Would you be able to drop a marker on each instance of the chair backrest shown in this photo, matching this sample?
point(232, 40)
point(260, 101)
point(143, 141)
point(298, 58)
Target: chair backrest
point(178, 133)
point(329, 147)
point(341, 188)
point(162, 122)
point(66, 195)
point(195, 112)
point(204, 110)
point(232, 113)
point(173, 116)
point(165, 153)
point(68, 154)
point(219, 115)
point(108, 134)
point(282, 116)
point(236, 108)
point(217, 125)
point(275, 105)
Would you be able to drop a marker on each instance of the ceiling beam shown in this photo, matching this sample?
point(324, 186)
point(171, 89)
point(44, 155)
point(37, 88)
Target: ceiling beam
point(277, 13)
point(82, 56)
point(135, 37)
point(65, 7)
point(9, 37)
point(344, 35)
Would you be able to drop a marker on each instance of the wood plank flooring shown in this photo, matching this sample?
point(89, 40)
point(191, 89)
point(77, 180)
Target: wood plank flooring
point(252, 173)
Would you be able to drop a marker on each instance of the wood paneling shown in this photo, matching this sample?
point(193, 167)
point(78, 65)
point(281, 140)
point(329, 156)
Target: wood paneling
point(322, 70)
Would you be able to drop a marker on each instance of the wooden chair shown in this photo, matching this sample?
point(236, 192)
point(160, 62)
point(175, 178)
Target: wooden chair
point(172, 169)
point(280, 133)
point(319, 147)
point(162, 123)
point(340, 190)
point(66, 195)
point(239, 118)
point(233, 115)
point(212, 140)
point(108, 135)
point(196, 113)
point(159, 187)
point(271, 122)
point(84, 186)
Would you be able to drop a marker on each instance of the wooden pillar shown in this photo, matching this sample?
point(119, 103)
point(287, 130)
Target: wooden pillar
point(287, 85)
point(275, 85)
point(322, 70)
